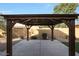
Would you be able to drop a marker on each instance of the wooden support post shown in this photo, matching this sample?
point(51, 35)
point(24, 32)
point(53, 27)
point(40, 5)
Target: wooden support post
point(28, 27)
point(72, 38)
point(52, 32)
point(27, 33)
point(9, 38)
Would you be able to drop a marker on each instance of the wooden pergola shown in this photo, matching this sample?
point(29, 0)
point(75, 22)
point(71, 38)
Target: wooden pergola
point(41, 19)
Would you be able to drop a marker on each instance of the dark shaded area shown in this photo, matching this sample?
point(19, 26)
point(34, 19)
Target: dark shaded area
point(34, 37)
point(44, 36)
point(3, 45)
point(76, 45)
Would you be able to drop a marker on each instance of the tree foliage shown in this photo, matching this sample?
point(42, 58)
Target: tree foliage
point(66, 8)
point(2, 23)
point(62, 25)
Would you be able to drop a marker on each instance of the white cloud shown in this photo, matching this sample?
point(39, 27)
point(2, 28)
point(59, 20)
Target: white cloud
point(5, 12)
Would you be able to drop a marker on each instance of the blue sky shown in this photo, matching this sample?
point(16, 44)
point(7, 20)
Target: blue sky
point(28, 8)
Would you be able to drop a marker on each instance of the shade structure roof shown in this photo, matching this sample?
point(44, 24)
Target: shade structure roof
point(40, 19)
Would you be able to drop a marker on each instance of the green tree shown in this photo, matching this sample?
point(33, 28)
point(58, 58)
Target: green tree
point(2, 23)
point(65, 8)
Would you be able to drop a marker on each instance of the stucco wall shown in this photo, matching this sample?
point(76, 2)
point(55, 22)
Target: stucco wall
point(62, 33)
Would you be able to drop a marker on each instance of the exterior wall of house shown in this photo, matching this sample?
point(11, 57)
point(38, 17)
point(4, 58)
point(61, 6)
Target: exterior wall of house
point(61, 33)
point(58, 33)
point(44, 30)
point(19, 32)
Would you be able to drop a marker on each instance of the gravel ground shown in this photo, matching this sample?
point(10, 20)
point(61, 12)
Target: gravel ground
point(40, 48)
point(3, 43)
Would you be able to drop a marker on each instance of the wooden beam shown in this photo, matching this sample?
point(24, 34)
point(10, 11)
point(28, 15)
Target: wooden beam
point(52, 33)
point(72, 38)
point(41, 16)
point(9, 38)
point(26, 20)
point(27, 33)
point(56, 18)
point(28, 27)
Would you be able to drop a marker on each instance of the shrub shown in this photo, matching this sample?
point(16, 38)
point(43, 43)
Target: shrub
point(33, 37)
point(44, 35)
point(22, 37)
